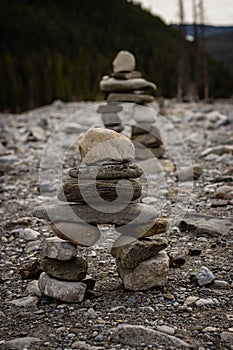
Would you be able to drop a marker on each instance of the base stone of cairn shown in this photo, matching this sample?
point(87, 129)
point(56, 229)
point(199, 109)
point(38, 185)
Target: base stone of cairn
point(107, 180)
point(127, 85)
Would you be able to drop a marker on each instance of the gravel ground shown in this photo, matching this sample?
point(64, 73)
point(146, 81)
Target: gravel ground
point(88, 325)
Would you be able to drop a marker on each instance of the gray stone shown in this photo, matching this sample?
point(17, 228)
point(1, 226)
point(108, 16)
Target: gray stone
point(109, 108)
point(107, 171)
point(132, 335)
point(166, 329)
point(144, 114)
point(219, 150)
point(131, 255)
point(33, 288)
point(100, 144)
point(111, 119)
point(148, 140)
point(190, 173)
point(204, 276)
point(133, 98)
point(204, 302)
point(227, 337)
point(21, 343)
point(25, 301)
point(149, 273)
point(36, 133)
point(224, 192)
point(77, 233)
point(71, 270)
point(142, 152)
point(117, 85)
point(139, 212)
point(124, 62)
point(70, 292)
point(28, 234)
point(201, 224)
point(97, 190)
point(57, 248)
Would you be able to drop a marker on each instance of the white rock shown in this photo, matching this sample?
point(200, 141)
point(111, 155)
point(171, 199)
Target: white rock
point(210, 329)
point(150, 273)
point(33, 288)
point(204, 276)
point(166, 329)
point(219, 150)
point(190, 300)
point(71, 292)
point(57, 248)
point(143, 114)
point(28, 234)
point(124, 62)
point(100, 144)
point(204, 302)
point(36, 133)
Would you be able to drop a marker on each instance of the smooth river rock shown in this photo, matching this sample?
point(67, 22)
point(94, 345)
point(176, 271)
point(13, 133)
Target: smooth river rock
point(124, 62)
point(77, 233)
point(131, 255)
point(130, 97)
point(96, 190)
point(117, 85)
point(56, 248)
point(107, 171)
point(70, 292)
point(139, 212)
point(72, 270)
point(149, 273)
point(100, 144)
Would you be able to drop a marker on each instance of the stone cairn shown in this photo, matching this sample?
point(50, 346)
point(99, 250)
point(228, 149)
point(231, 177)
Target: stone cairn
point(107, 167)
point(127, 85)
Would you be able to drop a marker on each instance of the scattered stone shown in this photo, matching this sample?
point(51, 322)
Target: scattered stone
point(131, 255)
point(204, 276)
point(190, 300)
point(57, 248)
point(210, 329)
point(25, 301)
point(124, 62)
point(190, 173)
point(31, 270)
point(219, 150)
point(221, 284)
point(107, 171)
point(148, 139)
point(160, 226)
point(227, 337)
point(224, 192)
point(28, 234)
point(102, 144)
point(2, 149)
point(70, 292)
point(33, 288)
point(204, 302)
point(71, 270)
point(201, 224)
point(137, 335)
point(149, 273)
point(166, 329)
point(21, 343)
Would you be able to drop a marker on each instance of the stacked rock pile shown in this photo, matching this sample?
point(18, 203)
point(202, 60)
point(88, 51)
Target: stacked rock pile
point(127, 85)
point(110, 117)
point(103, 190)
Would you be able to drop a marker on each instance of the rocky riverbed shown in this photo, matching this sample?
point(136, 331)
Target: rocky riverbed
point(195, 308)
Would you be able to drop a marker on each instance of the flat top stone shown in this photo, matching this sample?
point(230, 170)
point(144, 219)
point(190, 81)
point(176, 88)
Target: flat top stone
point(124, 62)
point(99, 144)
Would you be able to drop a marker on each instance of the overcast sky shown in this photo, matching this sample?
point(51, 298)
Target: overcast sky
point(217, 12)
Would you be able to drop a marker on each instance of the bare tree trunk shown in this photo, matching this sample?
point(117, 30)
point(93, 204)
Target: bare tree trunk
point(203, 47)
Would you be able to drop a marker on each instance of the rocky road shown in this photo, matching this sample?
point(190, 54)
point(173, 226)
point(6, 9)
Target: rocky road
point(195, 309)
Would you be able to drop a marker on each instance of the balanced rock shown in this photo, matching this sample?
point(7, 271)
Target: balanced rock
point(77, 233)
point(148, 140)
point(57, 248)
point(149, 273)
point(130, 97)
point(70, 292)
point(126, 75)
point(76, 190)
point(131, 255)
point(109, 108)
point(107, 171)
point(70, 270)
point(143, 114)
point(117, 85)
point(100, 144)
point(124, 62)
point(111, 119)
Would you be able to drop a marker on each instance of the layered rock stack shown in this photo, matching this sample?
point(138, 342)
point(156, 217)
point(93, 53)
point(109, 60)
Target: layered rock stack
point(127, 85)
point(110, 117)
point(103, 190)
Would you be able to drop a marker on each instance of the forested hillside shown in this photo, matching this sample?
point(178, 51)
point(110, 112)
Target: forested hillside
point(59, 49)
